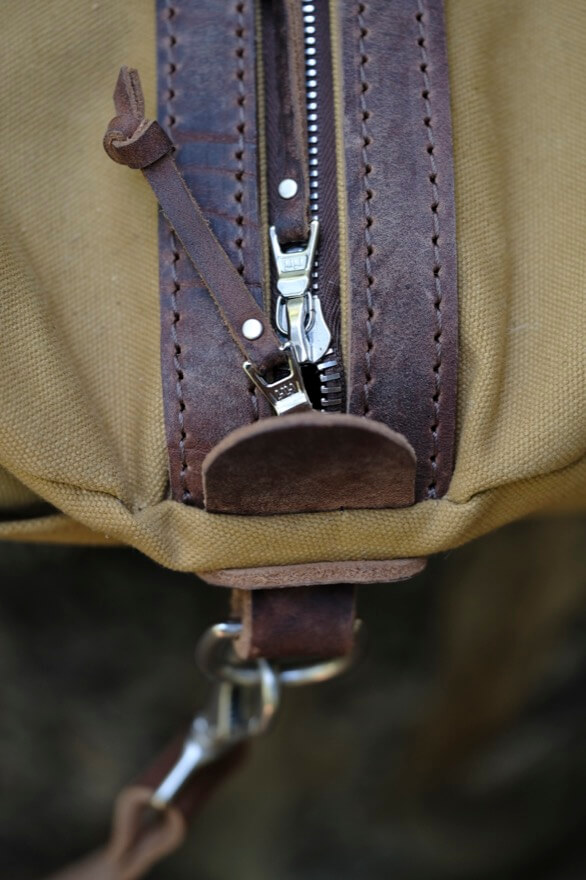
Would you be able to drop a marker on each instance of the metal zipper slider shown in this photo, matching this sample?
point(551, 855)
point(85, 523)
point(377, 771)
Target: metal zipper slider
point(287, 394)
point(298, 314)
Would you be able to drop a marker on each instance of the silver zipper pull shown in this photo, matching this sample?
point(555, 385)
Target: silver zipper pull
point(286, 395)
point(298, 314)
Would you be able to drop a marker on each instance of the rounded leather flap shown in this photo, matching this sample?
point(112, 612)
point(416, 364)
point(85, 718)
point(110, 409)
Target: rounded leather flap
point(309, 462)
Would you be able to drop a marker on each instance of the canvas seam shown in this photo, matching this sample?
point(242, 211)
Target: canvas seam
point(176, 315)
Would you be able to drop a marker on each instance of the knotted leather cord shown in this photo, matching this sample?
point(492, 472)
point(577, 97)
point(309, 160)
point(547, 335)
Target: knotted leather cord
point(139, 143)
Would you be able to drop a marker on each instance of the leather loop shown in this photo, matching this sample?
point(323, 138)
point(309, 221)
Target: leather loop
point(296, 622)
point(147, 143)
point(136, 844)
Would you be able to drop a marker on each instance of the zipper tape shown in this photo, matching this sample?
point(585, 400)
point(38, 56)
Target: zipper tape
point(297, 90)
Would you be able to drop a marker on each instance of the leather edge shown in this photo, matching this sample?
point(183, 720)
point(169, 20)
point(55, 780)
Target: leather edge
point(307, 574)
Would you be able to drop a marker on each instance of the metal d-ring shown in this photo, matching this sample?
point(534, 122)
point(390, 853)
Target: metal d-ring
point(243, 674)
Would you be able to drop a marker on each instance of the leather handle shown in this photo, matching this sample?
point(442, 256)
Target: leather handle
point(139, 143)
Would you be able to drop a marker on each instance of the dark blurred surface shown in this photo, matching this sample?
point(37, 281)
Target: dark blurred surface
point(455, 750)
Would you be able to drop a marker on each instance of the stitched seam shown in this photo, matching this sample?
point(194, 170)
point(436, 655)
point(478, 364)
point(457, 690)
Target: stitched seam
point(435, 238)
point(368, 194)
point(239, 156)
point(172, 67)
point(240, 128)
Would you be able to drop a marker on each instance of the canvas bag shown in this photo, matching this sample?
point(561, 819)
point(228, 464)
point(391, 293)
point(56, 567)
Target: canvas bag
point(83, 452)
point(88, 440)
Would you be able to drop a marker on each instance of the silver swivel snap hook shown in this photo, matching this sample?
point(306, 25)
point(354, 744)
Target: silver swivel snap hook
point(234, 713)
point(243, 702)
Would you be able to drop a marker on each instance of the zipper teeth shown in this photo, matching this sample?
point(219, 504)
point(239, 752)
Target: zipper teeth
point(329, 372)
point(310, 50)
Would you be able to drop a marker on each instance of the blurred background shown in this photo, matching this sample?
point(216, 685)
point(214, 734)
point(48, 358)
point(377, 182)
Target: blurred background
point(455, 750)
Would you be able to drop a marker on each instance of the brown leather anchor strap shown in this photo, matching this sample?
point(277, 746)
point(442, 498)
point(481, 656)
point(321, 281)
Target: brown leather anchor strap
point(138, 143)
point(316, 621)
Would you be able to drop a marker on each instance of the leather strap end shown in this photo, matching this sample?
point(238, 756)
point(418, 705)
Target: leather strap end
point(128, 95)
point(131, 139)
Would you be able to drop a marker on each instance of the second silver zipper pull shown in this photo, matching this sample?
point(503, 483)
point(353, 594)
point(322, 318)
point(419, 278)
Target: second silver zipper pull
point(299, 316)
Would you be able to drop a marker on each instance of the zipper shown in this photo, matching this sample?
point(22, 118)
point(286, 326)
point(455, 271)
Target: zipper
point(328, 365)
point(298, 313)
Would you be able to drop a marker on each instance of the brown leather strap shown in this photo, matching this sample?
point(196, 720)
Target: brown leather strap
point(134, 141)
point(207, 102)
point(401, 226)
point(218, 274)
point(284, 86)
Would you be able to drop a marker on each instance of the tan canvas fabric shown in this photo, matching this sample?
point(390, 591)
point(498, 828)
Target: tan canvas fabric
point(81, 410)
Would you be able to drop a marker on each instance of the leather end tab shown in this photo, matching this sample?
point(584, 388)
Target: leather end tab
point(128, 94)
point(309, 462)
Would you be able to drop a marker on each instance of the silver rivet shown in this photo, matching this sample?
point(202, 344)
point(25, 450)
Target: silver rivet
point(252, 328)
point(288, 188)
